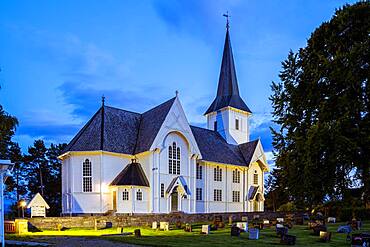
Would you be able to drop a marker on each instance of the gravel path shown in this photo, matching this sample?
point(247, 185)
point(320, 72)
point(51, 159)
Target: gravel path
point(81, 242)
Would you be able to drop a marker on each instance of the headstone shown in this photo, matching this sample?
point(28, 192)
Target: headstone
point(154, 225)
point(230, 220)
point(164, 225)
point(206, 229)
point(331, 219)
point(288, 239)
point(325, 236)
point(344, 229)
point(244, 218)
point(281, 230)
point(188, 228)
point(243, 226)
point(254, 233)
point(235, 231)
point(108, 224)
point(256, 217)
point(266, 222)
point(319, 228)
point(137, 233)
point(280, 220)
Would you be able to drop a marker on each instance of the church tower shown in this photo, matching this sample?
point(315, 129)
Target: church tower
point(228, 114)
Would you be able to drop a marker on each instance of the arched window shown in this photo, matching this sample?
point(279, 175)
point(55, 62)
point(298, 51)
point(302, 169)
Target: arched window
point(174, 156)
point(139, 195)
point(125, 195)
point(86, 176)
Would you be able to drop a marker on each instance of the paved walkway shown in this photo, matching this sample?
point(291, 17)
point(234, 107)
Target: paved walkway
point(70, 241)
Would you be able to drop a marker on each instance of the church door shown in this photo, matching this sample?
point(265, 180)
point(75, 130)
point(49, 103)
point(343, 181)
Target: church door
point(255, 206)
point(114, 201)
point(174, 200)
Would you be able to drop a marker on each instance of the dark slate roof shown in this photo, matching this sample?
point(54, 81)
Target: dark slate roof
point(214, 148)
point(228, 90)
point(132, 174)
point(123, 131)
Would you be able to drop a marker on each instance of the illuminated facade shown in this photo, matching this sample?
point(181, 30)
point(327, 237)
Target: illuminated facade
point(155, 162)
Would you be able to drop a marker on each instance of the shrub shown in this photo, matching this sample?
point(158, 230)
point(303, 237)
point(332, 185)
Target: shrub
point(287, 207)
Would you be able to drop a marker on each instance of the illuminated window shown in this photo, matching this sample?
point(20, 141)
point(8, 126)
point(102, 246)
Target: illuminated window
point(255, 177)
point(125, 195)
point(139, 195)
point(236, 196)
point(236, 176)
point(217, 195)
point(86, 176)
point(199, 171)
point(217, 174)
point(162, 190)
point(174, 155)
point(199, 194)
point(237, 124)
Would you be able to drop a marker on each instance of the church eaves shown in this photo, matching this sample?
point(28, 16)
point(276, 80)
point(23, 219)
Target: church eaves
point(228, 90)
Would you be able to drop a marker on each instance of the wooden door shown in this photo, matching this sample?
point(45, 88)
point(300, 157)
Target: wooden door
point(174, 201)
point(115, 201)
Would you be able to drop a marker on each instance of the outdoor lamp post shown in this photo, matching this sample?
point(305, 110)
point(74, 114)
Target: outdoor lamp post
point(5, 168)
point(22, 205)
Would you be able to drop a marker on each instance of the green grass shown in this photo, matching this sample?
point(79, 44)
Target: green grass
point(220, 237)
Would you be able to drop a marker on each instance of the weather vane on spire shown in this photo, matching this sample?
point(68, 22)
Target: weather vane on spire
point(227, 19)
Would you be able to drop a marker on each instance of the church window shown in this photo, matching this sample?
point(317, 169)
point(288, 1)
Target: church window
point(236, 196)
point(236, 176)
point(199, 194)
point(174, 155)
point(139, 195)
point(255, 178)
point(237, 124)
point(217, 174)
point(199, 171)
point(162, 190)
point(217, 195)
point(215, 126)
point(86, 176)
point(125, 195)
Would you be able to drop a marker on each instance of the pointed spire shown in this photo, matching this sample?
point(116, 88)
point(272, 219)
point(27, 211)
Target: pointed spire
point(228, 90)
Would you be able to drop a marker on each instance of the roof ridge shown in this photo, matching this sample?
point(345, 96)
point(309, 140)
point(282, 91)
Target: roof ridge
point(157, 106)
point(116, 108)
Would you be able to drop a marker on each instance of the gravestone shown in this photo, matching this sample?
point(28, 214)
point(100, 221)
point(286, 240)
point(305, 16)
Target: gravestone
point(280, 220)
point(137, 233)
point(244, 218)
point(325, 236)
point(154, 225)
point(319, 228)
point(235, 231)
point(164, 225)
point(206, 229)
point(254, 233)
point(332, 219)
point(281, 230)
point(188, 228)
point(230, 220)
point(243, 226)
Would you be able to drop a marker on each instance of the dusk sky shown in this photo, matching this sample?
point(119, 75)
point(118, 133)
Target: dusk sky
point(58, 58)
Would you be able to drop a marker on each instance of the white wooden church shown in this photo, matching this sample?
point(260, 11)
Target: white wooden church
point(156, 162)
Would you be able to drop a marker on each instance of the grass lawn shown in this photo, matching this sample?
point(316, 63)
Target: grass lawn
point(220, 237)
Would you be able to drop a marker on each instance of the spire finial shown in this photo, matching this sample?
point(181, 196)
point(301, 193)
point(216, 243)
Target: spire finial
point(103, 100)
point(177, 93)
point(227, 19)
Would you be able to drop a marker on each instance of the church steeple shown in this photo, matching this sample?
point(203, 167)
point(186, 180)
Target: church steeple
point(228, 114)
point(228, 90)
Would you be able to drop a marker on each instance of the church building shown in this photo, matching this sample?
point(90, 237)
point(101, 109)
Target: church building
point(123, 162)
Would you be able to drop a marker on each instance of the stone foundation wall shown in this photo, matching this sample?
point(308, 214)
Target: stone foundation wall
point(145, 219)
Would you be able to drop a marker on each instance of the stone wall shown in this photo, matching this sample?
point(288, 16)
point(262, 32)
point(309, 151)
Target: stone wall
point(144, 219)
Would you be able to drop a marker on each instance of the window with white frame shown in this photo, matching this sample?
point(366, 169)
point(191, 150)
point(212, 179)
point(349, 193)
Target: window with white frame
point(236, 176)
point(139, 195)
point(199, 171)
point(174, 156)
point(217, 174)
point(217, 195)
point(162, 190)
point(236, 196)
point(199, 195)
point(255, 177)
point(86, 176)
point(125, 195)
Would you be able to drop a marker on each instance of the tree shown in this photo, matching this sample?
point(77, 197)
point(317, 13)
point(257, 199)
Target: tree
point(321, 105)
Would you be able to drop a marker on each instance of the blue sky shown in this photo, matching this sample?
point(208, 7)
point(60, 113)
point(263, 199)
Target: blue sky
point(58, 57)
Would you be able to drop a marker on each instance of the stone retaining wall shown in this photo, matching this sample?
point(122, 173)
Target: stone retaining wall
point(145, 219)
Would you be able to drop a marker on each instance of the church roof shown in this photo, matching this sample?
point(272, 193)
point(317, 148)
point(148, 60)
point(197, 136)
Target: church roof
point(214, 148)
point(132, 174)
point(228, 90)
point(116, 130)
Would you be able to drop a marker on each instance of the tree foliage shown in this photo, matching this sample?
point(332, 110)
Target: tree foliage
point(321, 105)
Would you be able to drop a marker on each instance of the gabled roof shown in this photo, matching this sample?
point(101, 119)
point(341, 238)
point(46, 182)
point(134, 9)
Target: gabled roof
point(132, 174)
point(181, 183)
point(116, 130)
point(228, 90)
point(214, 148)
point(38, 200)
